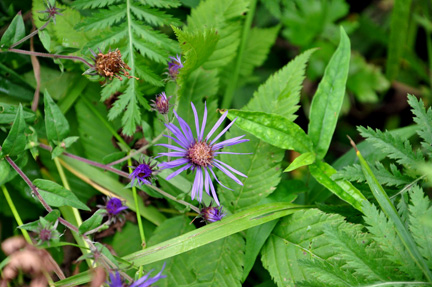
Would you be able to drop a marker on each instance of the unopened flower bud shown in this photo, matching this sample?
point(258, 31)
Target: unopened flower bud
point(161, 104)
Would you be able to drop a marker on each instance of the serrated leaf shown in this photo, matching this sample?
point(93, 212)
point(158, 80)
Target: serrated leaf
point(343, 189)
point(423, 118)
point(93, 222)
point(280, 94)
point(57, 127)
point(89, 4)
point(8, 113)
point(299, 236)
point(327, 101)
point(262, 168)
point(14, 33)
point(273, 129)
point(302, 160)
point(15, 141)
point(56, 195)
point(103, 19)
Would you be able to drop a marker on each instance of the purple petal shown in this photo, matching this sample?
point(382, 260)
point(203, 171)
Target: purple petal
point(223, 131)
point(178, 171)
point(229, 142)
point(203, 123)
point(173, 154)
point(200, 184)
point(196, 120)
point(196, 184)
point(207, 179)
point(230, 168)
point(185, 128)
point(227, 172)
point(173, 147)
point(176, 131)
point(217, 124)
point(212, 187)
point(215, 177)
point(174, 163)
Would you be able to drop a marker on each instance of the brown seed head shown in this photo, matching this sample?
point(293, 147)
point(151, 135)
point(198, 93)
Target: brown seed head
point(111, 65)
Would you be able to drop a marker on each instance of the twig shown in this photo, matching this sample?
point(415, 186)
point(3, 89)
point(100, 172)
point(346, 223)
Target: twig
point(54, 56)
point(36, 70)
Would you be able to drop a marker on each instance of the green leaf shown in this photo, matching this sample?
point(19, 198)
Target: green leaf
point(262, 168)
point(327, 101)
point(398, 36)
point(45, 38)
point(343, 189)
point(14, 33)
point(56, 195)
point(229, 225)
point(8, 113)
point(67, 142)
point(299, 236)
point(280, 94)
point(57, 127)
point(273, 129)
point(15, 142)
point(34, 225)
point(424, 119)
point(391, 213)
point(93, 222)
point(302, 160)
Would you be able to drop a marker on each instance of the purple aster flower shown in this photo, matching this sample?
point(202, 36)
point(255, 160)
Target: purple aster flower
point(199, 154)
point(161, 104)
point(211, 214)
point(114, 206)
point(174, 65)
point(144, 281)
point(143, 173)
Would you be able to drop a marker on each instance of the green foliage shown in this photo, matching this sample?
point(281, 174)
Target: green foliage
point(93, 222)
point(14, 33)
point(423, 118)
point(8, 113)
point(140, 44)
point(15, 142)
point(57, 127)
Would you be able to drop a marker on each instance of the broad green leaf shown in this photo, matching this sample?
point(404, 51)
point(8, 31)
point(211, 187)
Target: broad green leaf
point(392, 214)
point(56, 195)
point(57, 127)
point(398, 36)
point(229, 225)
point(93, 222)
point(280, 94)
point(302, 160)
point(8, 113)
point(296, 237)
point(273, 129)
point(343, 189)
point(14, 33)
point(262, 168)
point(15, 142)
point(327, 101)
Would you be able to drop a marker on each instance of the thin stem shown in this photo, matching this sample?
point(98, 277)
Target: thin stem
point(187, 204)
point(232, 85)
point(137, 210)
point(30, 35)
point(16, 214)
point(54, 56)
point(132, 154)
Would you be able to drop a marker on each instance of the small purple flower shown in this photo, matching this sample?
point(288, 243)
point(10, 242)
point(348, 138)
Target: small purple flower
point(198, 154)
point(211, 214)
point(161, 104)
point(174, 66)
point(114, 206)
point(144, 281)
point(143, 173)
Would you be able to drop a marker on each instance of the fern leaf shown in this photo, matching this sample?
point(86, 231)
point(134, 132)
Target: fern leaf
point(280, 94)
point(153, 16)
point(177, 268)
point(92, 4)
point(148, 50)
point(110, 39)
point(262, 167)
point(101, 20)
point(161, 3)
point(211, 262)
point(424, 119)
point(384, 234)
point(296, 237)
point(421, 222)
point(153, 36)
point(394, 147)
point(392, 177)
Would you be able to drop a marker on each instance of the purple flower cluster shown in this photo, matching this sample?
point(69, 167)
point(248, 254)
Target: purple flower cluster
point(114, 206)
point(145, 281)
point(161, 104)
point(211, 213)
point(199, 154)
point(174, 65)
point(143, 173)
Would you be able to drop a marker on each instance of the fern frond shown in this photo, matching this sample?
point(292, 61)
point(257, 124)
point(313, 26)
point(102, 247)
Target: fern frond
point(394, 147)
point(423, 118)
point(153, 36)
point(150, 51)
point(384, 234)
point(421, 222)
point(161, 3)
point(110, 39)
point(153, 16)
point(101, 20)
point(92, 4)
point(392, 177)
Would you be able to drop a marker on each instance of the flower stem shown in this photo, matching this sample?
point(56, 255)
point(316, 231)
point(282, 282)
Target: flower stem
point(46, 55)
point(232, 85)
point(137, 210)
point(16, 214)
point(30, 35)
point(187, 204)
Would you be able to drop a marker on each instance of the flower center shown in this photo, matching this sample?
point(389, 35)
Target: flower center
point(144, 171)
point(200, 154)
